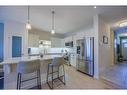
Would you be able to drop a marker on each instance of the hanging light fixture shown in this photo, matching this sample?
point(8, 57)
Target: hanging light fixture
point(53, 27)
point(28, 25)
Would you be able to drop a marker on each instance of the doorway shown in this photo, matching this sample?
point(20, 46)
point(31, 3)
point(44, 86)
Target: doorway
point(123, 48)
point(120, 47)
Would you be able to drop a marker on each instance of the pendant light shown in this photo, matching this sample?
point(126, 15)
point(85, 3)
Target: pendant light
point(53, 27)
point(28, 25)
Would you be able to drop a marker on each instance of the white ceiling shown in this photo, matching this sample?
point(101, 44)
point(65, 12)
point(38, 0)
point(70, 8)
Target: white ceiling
point(67, 18)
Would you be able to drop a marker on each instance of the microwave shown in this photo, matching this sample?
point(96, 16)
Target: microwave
point(69, 44)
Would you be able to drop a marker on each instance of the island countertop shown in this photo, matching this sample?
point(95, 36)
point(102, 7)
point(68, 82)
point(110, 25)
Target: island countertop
point(27, 58)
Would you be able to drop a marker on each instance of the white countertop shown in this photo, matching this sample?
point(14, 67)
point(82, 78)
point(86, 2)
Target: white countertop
point(27, 58)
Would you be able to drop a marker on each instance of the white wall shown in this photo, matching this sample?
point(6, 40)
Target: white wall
point(12, 28)
point(96, 47)
point(105, 50)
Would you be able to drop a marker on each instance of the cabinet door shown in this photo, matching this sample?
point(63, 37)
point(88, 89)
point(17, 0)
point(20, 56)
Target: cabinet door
point(73, 60)
point(56, 42)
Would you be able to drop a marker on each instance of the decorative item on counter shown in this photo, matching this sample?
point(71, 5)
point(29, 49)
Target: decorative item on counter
point(41, 55)
point(41, 42)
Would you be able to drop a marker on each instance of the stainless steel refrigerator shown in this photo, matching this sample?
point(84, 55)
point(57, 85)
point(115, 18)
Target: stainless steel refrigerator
point(85, 55)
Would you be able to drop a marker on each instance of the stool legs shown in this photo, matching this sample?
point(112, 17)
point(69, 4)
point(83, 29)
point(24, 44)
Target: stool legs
point(48, 73)
point(64, 75)
point(52, 72)
point(38, 79)
point(52, 77)
point(19, 81)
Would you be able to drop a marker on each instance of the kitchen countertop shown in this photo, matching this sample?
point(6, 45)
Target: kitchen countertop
point(27, 58)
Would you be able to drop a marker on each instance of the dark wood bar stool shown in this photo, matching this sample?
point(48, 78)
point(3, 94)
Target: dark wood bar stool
point(57, 62)
point(27, 67)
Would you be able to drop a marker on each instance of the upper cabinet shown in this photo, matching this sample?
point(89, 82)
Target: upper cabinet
point(33, 40)
point(56, 42)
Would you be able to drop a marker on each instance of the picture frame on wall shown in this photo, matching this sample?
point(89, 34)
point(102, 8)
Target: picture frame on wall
point(105, 39)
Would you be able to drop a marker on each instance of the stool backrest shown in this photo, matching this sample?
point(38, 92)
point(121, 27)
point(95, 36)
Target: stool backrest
point(58, 61)
point(28, 66)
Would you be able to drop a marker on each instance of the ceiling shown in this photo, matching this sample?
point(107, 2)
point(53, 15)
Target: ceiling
point(67, 18)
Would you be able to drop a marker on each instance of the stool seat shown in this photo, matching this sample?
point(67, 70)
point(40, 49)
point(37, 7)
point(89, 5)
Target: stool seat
point(27, 67)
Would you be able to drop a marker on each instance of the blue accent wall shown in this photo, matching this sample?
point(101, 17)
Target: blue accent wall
point(16, 46)
point(1, 41)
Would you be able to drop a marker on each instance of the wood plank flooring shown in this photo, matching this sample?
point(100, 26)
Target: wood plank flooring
point(78, 80)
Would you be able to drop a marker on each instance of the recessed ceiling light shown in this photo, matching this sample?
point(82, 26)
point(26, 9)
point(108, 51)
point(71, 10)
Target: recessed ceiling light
point(95, 7)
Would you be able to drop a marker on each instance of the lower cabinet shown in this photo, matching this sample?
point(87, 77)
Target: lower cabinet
point(73, 60)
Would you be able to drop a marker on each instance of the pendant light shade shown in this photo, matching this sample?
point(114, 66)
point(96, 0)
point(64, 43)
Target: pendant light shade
point(52, 31)
point(53, 28)
point(28, 25)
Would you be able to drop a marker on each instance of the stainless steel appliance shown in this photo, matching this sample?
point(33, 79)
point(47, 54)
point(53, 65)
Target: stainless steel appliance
point(85, 55)
point(69, 44)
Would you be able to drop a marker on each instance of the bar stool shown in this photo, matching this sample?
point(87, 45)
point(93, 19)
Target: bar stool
point(56, 63)
point(27, 67)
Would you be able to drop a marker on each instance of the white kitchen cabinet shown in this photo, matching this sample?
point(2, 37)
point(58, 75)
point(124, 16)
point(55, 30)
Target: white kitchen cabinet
point(73, 60)
point(56, 42)
point(33, 40)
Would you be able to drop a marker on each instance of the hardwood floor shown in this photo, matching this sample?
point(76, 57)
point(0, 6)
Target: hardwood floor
point(78, 80)
point(117, 74)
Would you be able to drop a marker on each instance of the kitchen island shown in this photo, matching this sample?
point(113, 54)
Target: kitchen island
point(10, 70)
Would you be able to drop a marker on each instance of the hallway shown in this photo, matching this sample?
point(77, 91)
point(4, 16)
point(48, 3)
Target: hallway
point(117, 74)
